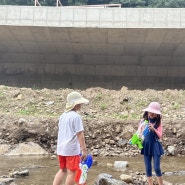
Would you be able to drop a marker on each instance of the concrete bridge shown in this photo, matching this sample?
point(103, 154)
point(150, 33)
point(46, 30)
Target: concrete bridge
point(81, 47)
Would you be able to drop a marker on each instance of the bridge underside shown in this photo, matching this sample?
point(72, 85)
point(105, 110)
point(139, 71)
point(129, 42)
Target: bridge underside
point(54, 57)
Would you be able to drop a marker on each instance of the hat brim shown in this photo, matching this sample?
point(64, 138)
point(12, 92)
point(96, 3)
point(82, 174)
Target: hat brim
point(70, 106)
point(152, 111)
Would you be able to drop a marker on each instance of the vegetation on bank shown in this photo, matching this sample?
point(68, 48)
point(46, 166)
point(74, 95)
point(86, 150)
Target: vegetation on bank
point(111, 116)
point(120, 104)
point(124, 3)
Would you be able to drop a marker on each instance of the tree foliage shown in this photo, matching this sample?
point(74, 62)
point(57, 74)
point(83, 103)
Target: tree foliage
point(124, 3)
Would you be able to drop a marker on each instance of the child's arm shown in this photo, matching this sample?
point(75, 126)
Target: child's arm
point(158, 131)
point(81, 140)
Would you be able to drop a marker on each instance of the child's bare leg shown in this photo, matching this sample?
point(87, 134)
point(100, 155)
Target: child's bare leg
point(150, 180)
point(70, 177)
point(59, 177)
point(160, 180)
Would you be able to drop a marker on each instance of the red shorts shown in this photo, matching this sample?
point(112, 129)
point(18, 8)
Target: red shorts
point(69, 162)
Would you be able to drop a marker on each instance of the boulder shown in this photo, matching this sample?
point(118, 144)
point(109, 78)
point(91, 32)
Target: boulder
point(106, 179)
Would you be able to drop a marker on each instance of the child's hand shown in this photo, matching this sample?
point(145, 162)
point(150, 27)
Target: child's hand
point(84, 155)
point(151, 127)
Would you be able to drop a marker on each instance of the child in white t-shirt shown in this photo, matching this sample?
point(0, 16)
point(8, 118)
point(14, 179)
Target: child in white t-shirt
point(71, 141)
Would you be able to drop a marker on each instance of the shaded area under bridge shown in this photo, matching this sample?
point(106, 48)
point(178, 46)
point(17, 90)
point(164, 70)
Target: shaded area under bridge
point(81, 47)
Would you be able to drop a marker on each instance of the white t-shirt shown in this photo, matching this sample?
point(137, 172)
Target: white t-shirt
point(70, 123)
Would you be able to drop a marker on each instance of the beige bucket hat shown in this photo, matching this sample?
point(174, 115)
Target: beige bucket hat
point(74, 98)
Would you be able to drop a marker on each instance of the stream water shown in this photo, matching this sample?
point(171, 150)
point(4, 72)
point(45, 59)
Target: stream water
point(42, 169)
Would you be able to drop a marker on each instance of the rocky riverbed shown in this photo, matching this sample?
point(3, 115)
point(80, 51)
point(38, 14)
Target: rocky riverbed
point(110, 119)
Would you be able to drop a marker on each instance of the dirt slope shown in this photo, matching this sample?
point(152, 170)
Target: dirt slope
point(110, 118)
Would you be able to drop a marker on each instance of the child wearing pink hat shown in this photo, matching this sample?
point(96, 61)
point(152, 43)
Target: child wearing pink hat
point(152, 148)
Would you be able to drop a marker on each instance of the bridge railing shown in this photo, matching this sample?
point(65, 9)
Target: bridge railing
point(58, 3)
point(103, 6)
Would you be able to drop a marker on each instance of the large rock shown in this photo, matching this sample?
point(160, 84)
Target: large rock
point(106, 179)
point(29, 148)
point(126, 178)
point(6, 181)
point(4, 148)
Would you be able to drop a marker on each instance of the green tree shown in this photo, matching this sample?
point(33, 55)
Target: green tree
point(166, 3)
point(124, 3)
point(175, 4)
point(17, 2)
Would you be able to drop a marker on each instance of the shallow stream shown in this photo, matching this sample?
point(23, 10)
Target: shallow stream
point(43, 169)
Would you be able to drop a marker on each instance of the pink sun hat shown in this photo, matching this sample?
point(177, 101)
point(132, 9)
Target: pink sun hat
point(153, 107)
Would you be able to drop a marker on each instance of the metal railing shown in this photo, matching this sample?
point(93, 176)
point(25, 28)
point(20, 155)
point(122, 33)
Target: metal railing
point(58, 3)
point(103, 6)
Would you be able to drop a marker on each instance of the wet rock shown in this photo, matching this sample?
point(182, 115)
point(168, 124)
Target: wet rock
point(174, 173)
point(126, 178)
point(53, 157)
point(15, 174)
point(106, 179)
point(6, 180)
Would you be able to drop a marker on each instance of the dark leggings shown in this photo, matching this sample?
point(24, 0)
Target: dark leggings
point(148, 165)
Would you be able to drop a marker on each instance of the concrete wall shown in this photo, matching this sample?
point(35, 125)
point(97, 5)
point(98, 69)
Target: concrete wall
point(83, 47)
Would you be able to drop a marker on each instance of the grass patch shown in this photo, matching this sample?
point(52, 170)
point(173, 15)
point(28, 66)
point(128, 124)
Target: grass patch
point(176, 106)
point(103, 107)
point(99, 96)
